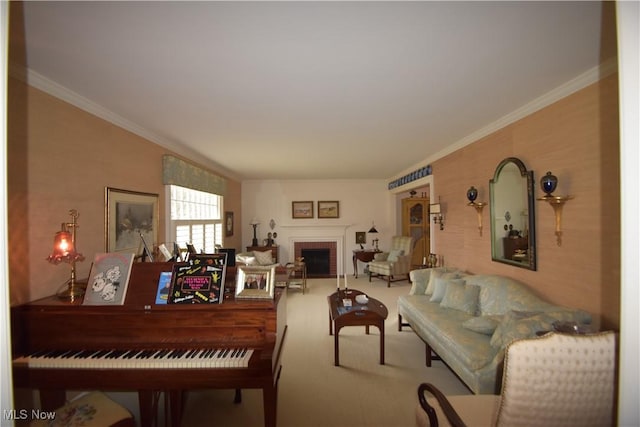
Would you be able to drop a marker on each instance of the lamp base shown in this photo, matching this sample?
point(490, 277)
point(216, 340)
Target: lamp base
point(70, 292)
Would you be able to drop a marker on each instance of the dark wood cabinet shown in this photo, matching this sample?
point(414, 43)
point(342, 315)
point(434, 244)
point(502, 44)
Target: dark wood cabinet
point(512, 244)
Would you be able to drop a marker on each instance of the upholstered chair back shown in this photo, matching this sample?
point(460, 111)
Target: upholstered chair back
point(559, 380)
point(404, 243)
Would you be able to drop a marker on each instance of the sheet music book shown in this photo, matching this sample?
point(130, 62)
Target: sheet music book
point(109, 279)
point(164, 287)
point(200, 280)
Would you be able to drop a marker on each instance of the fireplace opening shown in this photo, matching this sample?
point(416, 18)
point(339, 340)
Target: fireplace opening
point(317, 261)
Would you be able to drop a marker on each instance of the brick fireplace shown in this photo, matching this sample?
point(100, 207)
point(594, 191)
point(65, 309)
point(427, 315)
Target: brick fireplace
point(311, 248)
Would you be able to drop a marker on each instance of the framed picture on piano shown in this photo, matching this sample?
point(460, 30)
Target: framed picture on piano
point(253, 281)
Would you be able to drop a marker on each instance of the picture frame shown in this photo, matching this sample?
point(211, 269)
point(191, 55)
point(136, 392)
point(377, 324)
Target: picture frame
point(302, 209)
point(131, 217)
point(253, 281)
point(328, 209)
point(228, 224)
point(361, 237)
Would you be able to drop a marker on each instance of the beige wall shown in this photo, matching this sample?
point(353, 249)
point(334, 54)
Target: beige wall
point(62, 158)
point(577, 139)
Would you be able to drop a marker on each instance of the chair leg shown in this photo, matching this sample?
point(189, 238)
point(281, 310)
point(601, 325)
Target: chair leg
point(388, 281)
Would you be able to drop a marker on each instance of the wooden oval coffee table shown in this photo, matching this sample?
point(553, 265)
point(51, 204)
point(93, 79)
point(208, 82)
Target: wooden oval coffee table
point(373, 313)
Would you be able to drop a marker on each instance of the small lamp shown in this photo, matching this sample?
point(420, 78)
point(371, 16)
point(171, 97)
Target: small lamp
point(254, 222)
point(64, 250)
point(373, 230)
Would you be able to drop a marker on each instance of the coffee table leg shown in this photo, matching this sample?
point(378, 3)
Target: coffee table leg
point(336, 351)
point(381, 343)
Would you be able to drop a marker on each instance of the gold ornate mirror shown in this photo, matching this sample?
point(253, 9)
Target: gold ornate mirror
point(513, 215)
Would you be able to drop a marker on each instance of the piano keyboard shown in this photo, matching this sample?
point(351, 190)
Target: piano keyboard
point(139, 359)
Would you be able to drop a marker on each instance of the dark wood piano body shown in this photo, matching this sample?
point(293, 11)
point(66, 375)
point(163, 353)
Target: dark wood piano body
point(140, 324)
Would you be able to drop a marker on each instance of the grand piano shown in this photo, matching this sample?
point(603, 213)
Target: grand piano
point(150, 348)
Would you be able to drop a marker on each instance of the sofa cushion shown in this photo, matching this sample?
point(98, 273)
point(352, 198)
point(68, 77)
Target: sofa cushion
point(246, 258)
point(394, 254)
point(441, 288)
point(436, 274)
point(420, 278)
point(519, 325)
point(381, 256)
point(263, 258)
point(460, 296)
point(485, 325)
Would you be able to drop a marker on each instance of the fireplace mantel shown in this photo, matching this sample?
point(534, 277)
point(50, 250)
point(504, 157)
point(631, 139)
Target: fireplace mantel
point(305, 233)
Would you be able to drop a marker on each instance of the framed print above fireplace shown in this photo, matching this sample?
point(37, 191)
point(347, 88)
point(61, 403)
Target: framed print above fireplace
point(302, 209)
point(328, 209)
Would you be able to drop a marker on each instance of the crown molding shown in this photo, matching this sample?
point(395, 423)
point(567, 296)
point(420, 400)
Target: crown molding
point(583, 80)
point(56, 90)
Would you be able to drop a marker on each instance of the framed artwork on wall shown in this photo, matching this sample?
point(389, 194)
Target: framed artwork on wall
point(228, 224)
point(302, 209)
point(131, 220)
point(328, 209)
point(361, 237)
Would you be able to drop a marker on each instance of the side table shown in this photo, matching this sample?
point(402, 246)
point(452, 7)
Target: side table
point(362, 255)
point(298, 274)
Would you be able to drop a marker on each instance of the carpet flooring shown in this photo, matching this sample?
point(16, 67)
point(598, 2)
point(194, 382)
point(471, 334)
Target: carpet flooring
point(315, 393)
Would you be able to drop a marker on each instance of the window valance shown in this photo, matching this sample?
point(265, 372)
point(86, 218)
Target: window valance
point(176, 171)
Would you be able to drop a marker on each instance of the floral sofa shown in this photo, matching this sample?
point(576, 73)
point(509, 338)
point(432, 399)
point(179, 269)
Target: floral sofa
point(467, 320)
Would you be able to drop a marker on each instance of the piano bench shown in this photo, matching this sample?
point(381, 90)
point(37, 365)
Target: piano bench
point(92, 409)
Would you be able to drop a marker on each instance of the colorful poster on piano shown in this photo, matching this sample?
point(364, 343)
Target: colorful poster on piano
point(109, 279)
point(200, 280)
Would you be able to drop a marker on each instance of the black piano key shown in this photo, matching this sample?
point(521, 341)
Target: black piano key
point(100, 354)
point(84, 354)
point(116, 354)
point(130, 354)
point(39, 353)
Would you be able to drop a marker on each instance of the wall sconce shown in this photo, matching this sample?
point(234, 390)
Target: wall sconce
point(436, 211)
point(254, 223)
point(548, 183)
point(472, 195)
point(64, 250)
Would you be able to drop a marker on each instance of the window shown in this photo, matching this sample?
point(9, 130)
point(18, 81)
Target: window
point(196, 218)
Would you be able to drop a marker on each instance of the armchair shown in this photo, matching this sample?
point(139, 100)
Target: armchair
point(552, 380)
point(394, 263)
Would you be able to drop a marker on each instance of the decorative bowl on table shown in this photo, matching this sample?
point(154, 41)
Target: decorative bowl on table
point(362, 299)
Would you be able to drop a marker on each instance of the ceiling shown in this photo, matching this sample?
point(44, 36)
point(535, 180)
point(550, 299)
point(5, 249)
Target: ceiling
point(310, 90)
